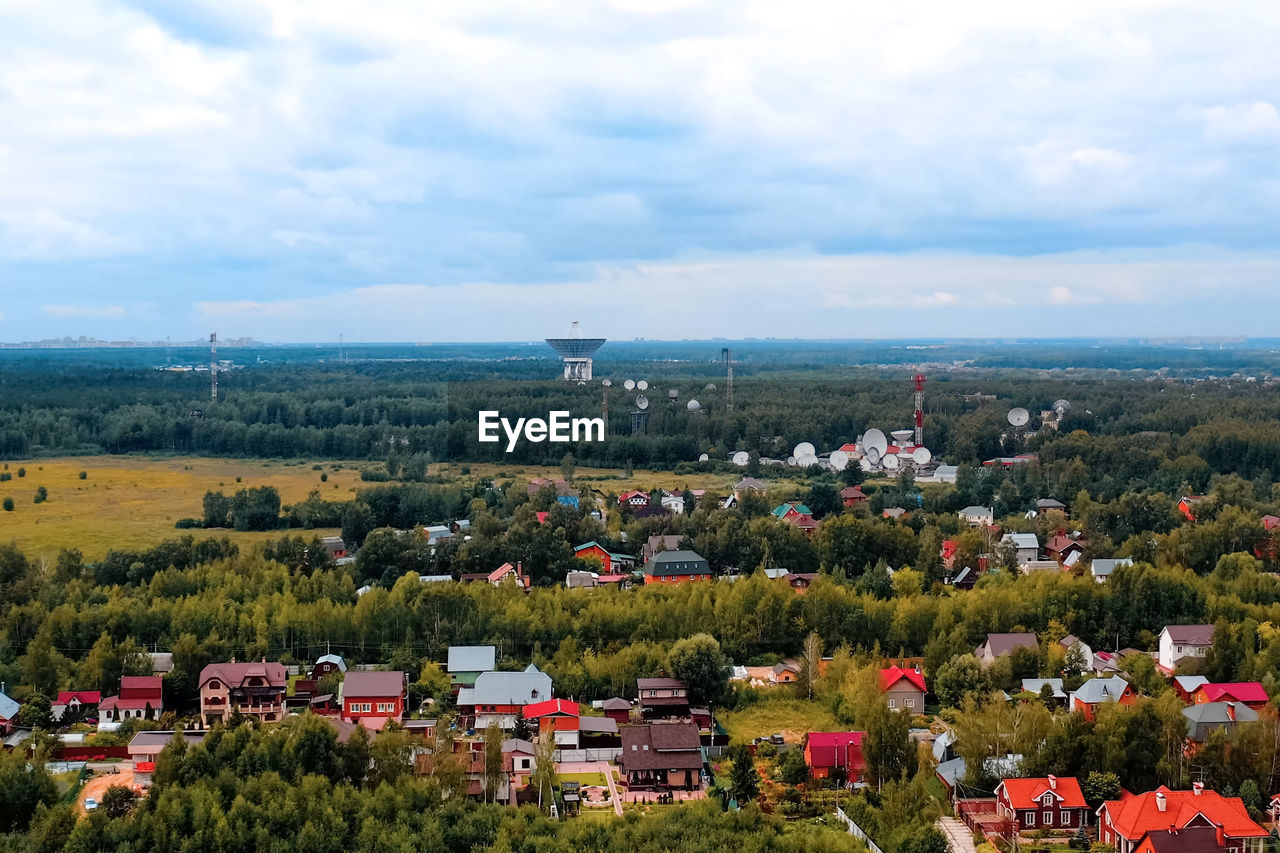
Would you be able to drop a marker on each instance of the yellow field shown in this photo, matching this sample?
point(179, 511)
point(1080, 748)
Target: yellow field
point(133, 502)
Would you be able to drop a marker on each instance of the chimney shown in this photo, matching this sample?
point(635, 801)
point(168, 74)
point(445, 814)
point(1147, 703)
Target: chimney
point(1197, 787)
point(233, 658)
point(1231, 710)
point(1053, 783)
point(1161, 804)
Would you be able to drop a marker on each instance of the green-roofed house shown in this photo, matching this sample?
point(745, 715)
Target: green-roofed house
point(466, 663)
point(797, 515)
point(612, 563)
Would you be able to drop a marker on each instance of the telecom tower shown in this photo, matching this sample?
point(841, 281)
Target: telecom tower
point(918, 379)
point(576, 351)
point(728, 392)
point(213, 365)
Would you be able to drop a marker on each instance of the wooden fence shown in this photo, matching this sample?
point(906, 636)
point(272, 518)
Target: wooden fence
point(856, 831)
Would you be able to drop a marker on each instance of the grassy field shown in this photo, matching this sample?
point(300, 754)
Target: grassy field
point(585, 779)
point(790, 716)
point(134, 501)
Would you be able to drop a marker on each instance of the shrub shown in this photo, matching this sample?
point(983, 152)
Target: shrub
point(22, 472)
point(84, 475)
point(5, 477)
point(42, 495)
point(8, 504)
point(189, 523)
point(324, 478)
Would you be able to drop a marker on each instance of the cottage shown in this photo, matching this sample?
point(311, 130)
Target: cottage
point(1026, 546)
point(1082, 649)
point(662, 697)
point(672, 502)
point(1045, 803)
point(978, 516)
point(501, 696)
point(658, 543)
point(373, 699)
point(1191, 839)
point(801, 581)
point(1035, 686)
point(141, 697)
point(74, 705)
point(662, 756)
point(1099, 691)
point(252, 689)
point(1187, 506)
point(634, 499)
point(676, 567)
point(465, 664)
point(903, 689)
point(1123, 823)
point(147, 746)
point(852, 496)
point(611, 562)
point(559, 717)
point(1211, 716)
point(797, 515)
point(1183, 642)
point(835, 755)
point(507, 573)
point(1050, 504)
point(335, 546)
point(9, 708)
point(999, 645)
point(785, 672)
point(1061, 547)
point(1101, 569)
point(1248, 693)
point(617, 709)
point(747, 485)
point(966, 578)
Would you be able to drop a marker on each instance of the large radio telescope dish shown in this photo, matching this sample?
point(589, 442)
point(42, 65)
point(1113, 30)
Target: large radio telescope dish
point(630, 385)
point(1019, 416)
point(865, 464)
point(693, 405)
point(839, 460)
point(921, 455)
point(806, 460)
point(804, 448)
point(642, 402)
point(704, 457)
point(873, 439)
point(890, 462)
point(608, 383)
point(741, 458)
point(1061, 407)
point(642, 385)
point(872, 456)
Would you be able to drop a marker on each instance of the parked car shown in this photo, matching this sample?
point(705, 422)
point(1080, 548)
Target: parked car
point(90, 804)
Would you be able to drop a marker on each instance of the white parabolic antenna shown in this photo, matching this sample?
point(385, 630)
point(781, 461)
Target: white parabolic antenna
point(1019, 416)
point(902, 436)
point(741, 458)
point(890, 463)
point(642, 385)
point(804, 448)
point(704, 458)
point(873, 439)
point(921, 455)
point(711, 386)
point(1062, 407)
point(630, 385)
point(791, 460)
point(607, 383)
point(865, 464)
point(693, 405)
point(873, 456)
point(642, 402)
point(839, 460)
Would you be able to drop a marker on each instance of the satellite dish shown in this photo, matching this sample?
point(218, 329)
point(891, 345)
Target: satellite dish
point(741, 458)
point(921, 455)
point(642, 402)
point(704, 458)
point(865, 464)
point(608, 383)
point(873, 456)
point(873, 439)
point(791, 460)
point(693, 405)
point(804, 448)
point(1061, 407)
point(673, 394)
point(890, 463)
point(1019, 416)
point(630, 385)
point(806, 460)
point(839, 460)
point(902, 437)
point(711, 386)
point(642, 385)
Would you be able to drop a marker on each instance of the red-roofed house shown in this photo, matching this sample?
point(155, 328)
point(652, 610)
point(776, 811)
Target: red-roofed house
point(835, 753)
point(1060, 547)
point(372, 699)
point(1124, 822)
point(254, 689)
point(141, 697)
point(505, 571)
point(1250, 693)
point(75, 703)
point(949, 547)
point(1187, 506)
point(634, 499)
point(904, 689)
point(852, 496)
point(1046, 803)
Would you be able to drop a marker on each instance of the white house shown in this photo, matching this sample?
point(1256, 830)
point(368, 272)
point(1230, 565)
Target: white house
point(1086, 651)
point(1183, 641)
point(675, 503)
point(975, 516)
point(1026, 545)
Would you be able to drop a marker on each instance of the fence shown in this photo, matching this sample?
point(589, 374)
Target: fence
point(856, 831)
point(588, 754)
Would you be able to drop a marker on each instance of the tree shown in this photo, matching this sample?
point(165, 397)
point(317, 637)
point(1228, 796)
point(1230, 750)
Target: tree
point(356, 756)
point(887, 745)
point(36, 712)
point(544, 778)
point(959, 677)
point(791, 768)
point(521, 729)
point(492, 761)
point(118, 801)
point(1252, 797)
point(810, 664)
point(744, 779)
point(42, 494)
point(823, 499)
point(924, 839)
point(567, 467)
point(698, 661)
point(1099, 787)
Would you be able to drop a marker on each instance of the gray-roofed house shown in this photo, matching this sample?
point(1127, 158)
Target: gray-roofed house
point(1036, 685)
point(1071, 641)
point(145, 746)
point(9, 708)
point(999, 645)
point(1179, 642)
point(500, 696)
point(1101, 569)
point(676, 567)
point(467, 662)
point(161, 662)
point(1209, 716)
point(1046, 504)
point(943, 746)
point(1026, 545)
point(976, 516)
point(658, 543)
point(1100, 691)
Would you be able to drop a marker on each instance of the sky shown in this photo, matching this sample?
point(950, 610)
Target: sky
point(393, 170)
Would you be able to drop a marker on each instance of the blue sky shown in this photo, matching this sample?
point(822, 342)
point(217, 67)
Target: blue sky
point(396, 170)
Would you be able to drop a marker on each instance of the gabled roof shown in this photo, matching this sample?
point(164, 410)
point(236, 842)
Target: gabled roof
point(511, 688)
point(790, 507)
point(1061, 542)
point(373, 685)
point(612, 555)
point(977, 510)
point(1189, 683)
point(894, 674)
point(1219, 714)
point(336, 660)
point(749, 483)
point(1101, 568)
point(472, 658)
point(146, 686)
point(1003, 644)
point(851, 492)
point(1137, 814)
point(1194, 635)
point(1050, 503)
point(8, 707)
point(830, 749)
point(235, 674)
point(666, 746)
point(1035, 685)
point(1029, 793)
point(1097, 690)
point(552, 707)
point(1240, 691)
point(1022, 540)
point(615, 704)
point(84, 697)
point(1193, 839)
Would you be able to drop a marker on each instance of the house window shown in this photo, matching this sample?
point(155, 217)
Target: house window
point(1048, 818)
point(1031, 818)
point(910, 703)
point(1179, 649)
point(891, 703)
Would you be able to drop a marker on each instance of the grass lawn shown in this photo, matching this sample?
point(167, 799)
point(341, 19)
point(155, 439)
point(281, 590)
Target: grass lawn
point(585, 779)
point(786, 714)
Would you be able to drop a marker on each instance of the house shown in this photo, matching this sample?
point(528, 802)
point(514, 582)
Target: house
point(946, 473)
point(966, 578)
point(835, 755)
point(1248, 693)
point(617, 709)
point(634, 499)
point(978, 516)
point(1061, 547)
point(251, 689)
point(1123, 823)
point(147, 746)
point(141, 697)
point(676, 567)
point(745, 486)
point(662, 756)
point(662, 697)
point(894, 512)
point(161, 663)
point(1007, 462)
point(1049, 803)
point(1098, 691)
point(465, 664)
point(658, 543)
point(1210, 716)
point(1180, 642)
point(903, 689)
point(1193, 839)
point(507, 572)
point(519, 759)
point(1102, 569)
point(306, 689)
point(1030, 567)
point(1185, 686)
point(785, 672)
point(581, 580)
point(501, 696)
point(611, 562)
point(852, 496)
point(9, 708)
point(672, 503)
point(801, 581)
point(74, 705)
point(335, 546)
point(373, 699)
point(1047, 504)
point(1071, 641)
point(999, 645)
point(1187, 506)
point(559, 717)
point(797, 515)
point(1026, 546)
point(1035, 686)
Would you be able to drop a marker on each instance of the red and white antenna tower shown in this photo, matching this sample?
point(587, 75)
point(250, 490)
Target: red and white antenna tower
point(918, 379)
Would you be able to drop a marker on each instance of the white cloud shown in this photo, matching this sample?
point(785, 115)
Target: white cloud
point(84, 310)
point(1258, 121)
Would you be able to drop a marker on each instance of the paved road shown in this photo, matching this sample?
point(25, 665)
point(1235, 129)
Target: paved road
point(613, 790)
point(959, 838)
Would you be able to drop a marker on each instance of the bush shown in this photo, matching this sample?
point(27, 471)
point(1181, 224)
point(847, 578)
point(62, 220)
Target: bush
point(324, 478)
point(42, 495)
point(22, 472)
point(8, 504)
point(84, 475)
point(5, 477)
point(189, 523)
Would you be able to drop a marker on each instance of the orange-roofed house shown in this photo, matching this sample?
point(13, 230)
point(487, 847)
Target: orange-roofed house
point(1250, 693)
point(1124, 822)
point(1049, 802)
point(904, 689)
point(852, 496)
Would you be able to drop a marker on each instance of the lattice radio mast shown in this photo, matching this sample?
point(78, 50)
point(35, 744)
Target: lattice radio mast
point(728, 365)
point(213, 366)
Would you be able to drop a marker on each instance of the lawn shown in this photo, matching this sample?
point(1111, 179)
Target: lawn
point(585, 779)
point(786, 714)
